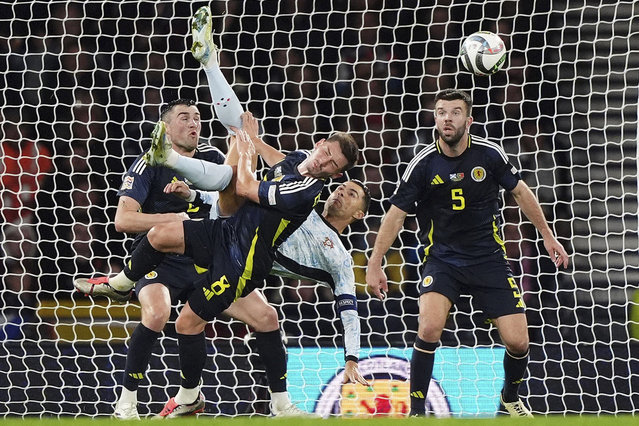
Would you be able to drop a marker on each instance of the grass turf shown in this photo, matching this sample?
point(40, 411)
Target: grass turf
point(589, 420)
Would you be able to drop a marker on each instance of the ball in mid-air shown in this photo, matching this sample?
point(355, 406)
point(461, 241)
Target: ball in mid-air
point(483, 53)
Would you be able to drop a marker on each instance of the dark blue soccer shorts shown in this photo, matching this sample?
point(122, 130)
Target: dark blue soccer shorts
point(491, 284)
point(177, 273)
point(210, 244)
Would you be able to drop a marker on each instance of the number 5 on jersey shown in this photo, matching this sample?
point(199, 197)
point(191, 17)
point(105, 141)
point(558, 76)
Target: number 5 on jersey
point(459, 202)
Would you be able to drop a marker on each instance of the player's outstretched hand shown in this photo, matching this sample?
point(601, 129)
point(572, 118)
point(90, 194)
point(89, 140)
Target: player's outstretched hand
point(352, 374)
point(556, 251)
point(244, 143)
point(182, 190)
point(250, 125)
point(376, 281)
point(246, 185)
point(179, 188)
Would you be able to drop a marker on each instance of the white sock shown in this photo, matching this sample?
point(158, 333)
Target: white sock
point(213, 62)
point(121, 283)
point(280, 400)
point(128, 397)
point(227, 106)
point(172, 158)
point(203, 174)
point(187, 396)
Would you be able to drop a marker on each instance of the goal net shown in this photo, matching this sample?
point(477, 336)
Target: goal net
point(82, 84)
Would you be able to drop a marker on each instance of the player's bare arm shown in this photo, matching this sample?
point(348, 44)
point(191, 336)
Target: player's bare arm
point(388, 231)
point(530, 207)
point(229, 201)
point(269, 154)
point(246, 186)
point(128, 217)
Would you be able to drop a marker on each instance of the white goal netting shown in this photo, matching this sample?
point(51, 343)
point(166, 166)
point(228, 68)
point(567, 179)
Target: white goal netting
point(81, 85)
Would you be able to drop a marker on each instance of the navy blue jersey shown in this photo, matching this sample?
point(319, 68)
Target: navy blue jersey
point(456, 200)
point(286, 200)
point(145, 184)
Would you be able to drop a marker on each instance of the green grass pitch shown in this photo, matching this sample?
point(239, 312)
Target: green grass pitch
point(262, 421)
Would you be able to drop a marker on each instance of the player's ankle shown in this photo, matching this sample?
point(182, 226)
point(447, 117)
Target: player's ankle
point(509, 396)
point(212, 63)
point(121, 282)
point(171, 157)
point(187, 396)
point(280, 400)
point(128, 396)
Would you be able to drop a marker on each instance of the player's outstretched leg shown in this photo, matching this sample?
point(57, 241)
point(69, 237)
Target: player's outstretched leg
point(161, 148)
point(99, 286)
point(516, 408)
point(203, 48)
point(227, 106)
point(173, 409)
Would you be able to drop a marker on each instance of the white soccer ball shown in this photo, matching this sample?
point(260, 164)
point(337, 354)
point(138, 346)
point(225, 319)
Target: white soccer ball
point(483, 53)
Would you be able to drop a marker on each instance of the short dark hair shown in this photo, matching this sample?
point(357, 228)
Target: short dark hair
point(454, 94)
point(169, 106)
point(348, 146)
point(367, 194)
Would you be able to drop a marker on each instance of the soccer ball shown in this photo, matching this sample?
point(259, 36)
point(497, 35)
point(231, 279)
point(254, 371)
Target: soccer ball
point(483, 53)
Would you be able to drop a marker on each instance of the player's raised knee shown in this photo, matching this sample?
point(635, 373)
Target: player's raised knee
point(167, 237)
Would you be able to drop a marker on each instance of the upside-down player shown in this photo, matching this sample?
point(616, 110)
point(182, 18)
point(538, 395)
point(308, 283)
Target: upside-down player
point(189, 400)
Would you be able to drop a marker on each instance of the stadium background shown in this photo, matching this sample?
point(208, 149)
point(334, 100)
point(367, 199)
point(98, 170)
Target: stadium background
point(82, 83)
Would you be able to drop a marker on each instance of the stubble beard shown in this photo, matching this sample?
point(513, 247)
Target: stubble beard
point(453, 140)
point(186, 145)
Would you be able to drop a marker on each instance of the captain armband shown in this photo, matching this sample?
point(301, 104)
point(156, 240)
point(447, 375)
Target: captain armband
point(346, 302)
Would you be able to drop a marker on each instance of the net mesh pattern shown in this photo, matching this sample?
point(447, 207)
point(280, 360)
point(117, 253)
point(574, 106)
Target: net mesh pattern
point(82, 84)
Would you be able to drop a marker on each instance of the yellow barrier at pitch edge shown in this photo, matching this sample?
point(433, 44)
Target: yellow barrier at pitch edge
point(87, 320)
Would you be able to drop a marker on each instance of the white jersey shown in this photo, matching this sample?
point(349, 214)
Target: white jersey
point(315, 252)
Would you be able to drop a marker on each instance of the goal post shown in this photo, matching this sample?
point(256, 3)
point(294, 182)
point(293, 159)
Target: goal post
point(82, 84)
